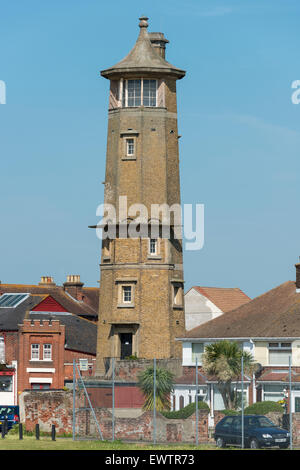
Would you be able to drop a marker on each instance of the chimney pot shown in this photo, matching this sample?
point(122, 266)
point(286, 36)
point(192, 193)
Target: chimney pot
point(297, 266)
point(47, 281)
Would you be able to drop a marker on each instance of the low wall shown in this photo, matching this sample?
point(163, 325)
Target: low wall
point(48, 408)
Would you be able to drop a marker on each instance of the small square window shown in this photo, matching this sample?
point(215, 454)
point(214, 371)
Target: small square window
point(127, 294)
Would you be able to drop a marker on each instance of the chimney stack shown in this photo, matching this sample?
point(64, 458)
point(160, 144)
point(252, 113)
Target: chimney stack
point(297, 266)
point(47, 281)
point(159, 42)
point(74, 286)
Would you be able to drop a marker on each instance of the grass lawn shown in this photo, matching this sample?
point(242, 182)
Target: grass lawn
point(12, 442)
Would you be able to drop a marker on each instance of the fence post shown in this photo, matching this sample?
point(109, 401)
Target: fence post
point(113, 399)
point(196, 402)
point(20, 431)
point(242, 374)
point(291, 416)
point(154, 400)
point(37, 431)
point(74, 394)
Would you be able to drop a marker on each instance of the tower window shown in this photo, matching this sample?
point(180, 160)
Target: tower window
point(129, 147)
point(153, 246)
point(139, 92)
point(127, 294)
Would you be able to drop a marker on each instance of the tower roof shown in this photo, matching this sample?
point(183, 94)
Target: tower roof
point(143, 59)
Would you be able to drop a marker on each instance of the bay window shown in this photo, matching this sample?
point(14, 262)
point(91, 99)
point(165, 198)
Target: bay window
point(139, 92)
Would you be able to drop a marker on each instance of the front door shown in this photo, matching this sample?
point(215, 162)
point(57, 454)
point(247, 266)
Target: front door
point(126, 344)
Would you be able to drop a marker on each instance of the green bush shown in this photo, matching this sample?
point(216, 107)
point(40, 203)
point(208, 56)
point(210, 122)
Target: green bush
point(186, 411)
point(263, 407)
point(230, 412)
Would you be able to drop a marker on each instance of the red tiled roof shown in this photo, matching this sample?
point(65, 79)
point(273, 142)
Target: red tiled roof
point(273, 314)
point(225, 298)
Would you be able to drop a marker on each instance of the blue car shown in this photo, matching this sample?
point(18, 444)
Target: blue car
point(11, 414)
point(259, 431)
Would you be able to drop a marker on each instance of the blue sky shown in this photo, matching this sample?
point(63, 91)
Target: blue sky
point(239, 151)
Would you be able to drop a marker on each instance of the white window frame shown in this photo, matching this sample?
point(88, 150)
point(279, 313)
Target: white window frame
point(277, 347)
point(153, 242)
point(130, 147)
point(198, 354)
point(126, 288)
point(35, 350)
point(47, 352)
point(124, 92)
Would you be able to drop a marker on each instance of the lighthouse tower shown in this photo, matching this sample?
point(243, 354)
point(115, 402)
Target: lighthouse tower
point(141, 309)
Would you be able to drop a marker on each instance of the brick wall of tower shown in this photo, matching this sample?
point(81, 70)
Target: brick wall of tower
point(151, 178)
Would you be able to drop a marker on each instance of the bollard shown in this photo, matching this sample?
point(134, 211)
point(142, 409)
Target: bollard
point(5, 426)
point(2, 431)
point(37, 431)
point(20, 431)
point(53, 432)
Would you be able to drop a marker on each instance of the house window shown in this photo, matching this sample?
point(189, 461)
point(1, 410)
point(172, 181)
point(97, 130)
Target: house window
point(139, 92)
point(47, 352)
point(43, 386)
point(153, 246)
point(129, 147)
point(273, 392)
point(279, 353)
point(2, 350)
point(6, 383)
point(35, 352)
point(197, 352)
point(127, 294)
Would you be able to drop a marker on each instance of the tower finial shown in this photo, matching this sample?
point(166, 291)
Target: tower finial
point(143, 21)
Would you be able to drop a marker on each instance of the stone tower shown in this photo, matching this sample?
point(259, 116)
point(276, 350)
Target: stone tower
point(141, 308)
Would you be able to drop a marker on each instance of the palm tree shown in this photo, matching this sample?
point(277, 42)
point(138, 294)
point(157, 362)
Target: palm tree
point(164, 387)
point(223, 361)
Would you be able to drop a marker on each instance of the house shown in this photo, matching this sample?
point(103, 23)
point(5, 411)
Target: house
point(207, 303)
point(39, 339)
point(269, 328)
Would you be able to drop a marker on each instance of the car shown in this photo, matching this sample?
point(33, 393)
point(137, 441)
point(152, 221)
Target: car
point(11, 413)
point(259, 431)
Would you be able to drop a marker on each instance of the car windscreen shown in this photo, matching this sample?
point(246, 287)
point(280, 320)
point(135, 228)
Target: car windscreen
point(263, 422)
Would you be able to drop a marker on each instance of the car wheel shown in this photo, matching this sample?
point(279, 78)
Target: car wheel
point(254, 444)
point(220, 442)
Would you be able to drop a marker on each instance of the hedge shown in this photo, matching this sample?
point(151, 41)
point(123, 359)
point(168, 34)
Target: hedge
point(263, 407)
point(186, 411)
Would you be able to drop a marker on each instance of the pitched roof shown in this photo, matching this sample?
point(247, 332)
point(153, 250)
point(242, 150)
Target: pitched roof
point(143, 58)
point(225, 298)
point(87, 308)
point(274, 314)
point(81, 334)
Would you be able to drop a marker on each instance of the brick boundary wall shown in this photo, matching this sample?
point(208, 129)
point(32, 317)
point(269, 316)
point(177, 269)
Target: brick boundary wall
point(56, 407)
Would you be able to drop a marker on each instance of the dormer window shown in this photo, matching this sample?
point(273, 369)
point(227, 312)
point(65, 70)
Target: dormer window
point(140, 92)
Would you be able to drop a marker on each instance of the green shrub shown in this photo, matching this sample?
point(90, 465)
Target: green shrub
point(263, 407)
point(230, 412)
point(186, 411)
